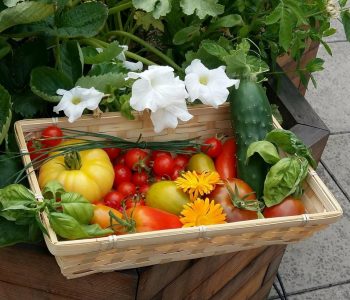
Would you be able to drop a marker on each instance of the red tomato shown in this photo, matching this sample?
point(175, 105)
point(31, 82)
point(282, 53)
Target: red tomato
point(212, 147)
point(35, 149)
point(126, 188)
point(143, 189)
point(113, 199)
point(163, 165)
point(288, 207)
point(149, 219)
point(156, 153)
point(222, 196)
point(225, 163)
point(181, 160)
point(112, 153)
point(122, 174)
point(176, 172)
point(120, 160)
point(139, 178)
point(51, 136)
point(102, 218)
point(131, 203)
point(136, 158)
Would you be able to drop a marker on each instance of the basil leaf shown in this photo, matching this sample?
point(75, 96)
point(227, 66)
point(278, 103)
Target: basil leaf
point(53, 190)
point(290, 143)
point(265, 149)
point(283, 179)
point(69, 228)
point(77, 206)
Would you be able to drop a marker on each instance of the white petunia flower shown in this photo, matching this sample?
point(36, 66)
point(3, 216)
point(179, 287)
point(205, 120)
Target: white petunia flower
point(164, 94)
point(209, 86)
point(74, 101)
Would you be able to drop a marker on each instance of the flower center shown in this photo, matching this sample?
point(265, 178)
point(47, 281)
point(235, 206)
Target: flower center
point(203, 80)
point(76, 100)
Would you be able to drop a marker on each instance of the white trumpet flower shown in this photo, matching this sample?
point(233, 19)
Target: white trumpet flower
point(74, 101)
point(209, 86)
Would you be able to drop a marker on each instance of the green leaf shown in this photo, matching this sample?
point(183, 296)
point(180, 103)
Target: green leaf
point(329, 32)
point(202, 8)
point(92, 56)
point(23, 13)
point(342, 3)
point(213, 48)
point(283, 179)
point(345, 17)
point(78, 207)
point(5, 48)
point(28, 105)
point(276, 113)
point(315, 65)
point(275, 15)
point(290, 143)
point(265, 149)
point(84, 20)
point(287, 23)
point(327, 48)
point(9, 166)
point(53, 190)
point(104, 83)
point(12, 233)
point(71, 60)
point(45, 81)
point(69, 228)
point(146, 20)
point(186, 34)
point(5, 113)
point(124, 106)
point(158, 8)
point(104, 68)
point(226, 21)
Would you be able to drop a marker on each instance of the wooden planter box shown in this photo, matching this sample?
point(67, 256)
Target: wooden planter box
point(32, 272)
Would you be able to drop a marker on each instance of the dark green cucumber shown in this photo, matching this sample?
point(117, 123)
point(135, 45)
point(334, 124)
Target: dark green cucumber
point(252, 120)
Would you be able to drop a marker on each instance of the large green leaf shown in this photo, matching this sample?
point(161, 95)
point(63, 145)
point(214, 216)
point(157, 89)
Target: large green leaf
point(104, 83)
point(158, 8)
point(146, 20)
point(71, 60)
point(5, 48)
point(84, 20)
point(202, 8)
point(92, 56)
point(5, 113)
point(287, 23)
point(345, 16)
point(9, 166)
point(45, 82)
point(186, 34)
point(25, 12)
point(28, 105)
point(227, 21)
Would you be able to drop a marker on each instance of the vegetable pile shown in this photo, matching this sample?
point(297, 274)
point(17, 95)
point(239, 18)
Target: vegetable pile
point(91, 190)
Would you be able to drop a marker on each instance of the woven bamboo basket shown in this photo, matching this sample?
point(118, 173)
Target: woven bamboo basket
point(83, 257)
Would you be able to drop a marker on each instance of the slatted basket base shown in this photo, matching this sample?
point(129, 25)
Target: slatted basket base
point(82, 257)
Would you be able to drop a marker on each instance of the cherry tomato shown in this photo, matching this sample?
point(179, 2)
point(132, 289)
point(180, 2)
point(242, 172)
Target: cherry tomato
point(112, 153)
point(139, 178)
point(113, 199)
point(51, 136)
point(176, 172)
point(201, 162)
point(102, 218)
point(225, 163)
point(35, 149)
point(163, 165)
point(222, 196)
point(120, 160)
point(181, 160)
point(156, 153)
point(126, 188)
point(122, 174)
point(143, 189)
point(288, 207)
point(212, 147)
point(131, 203)
point(136, 158)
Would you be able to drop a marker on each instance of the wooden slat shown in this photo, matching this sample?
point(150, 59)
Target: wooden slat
point(155, 278)
point(35, 268)
point(273, 267)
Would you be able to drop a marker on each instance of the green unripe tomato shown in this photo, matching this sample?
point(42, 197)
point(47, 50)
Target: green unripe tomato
point(166, 196)
point(201, 162)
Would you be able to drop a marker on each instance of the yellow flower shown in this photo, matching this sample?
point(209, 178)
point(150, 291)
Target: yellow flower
point(201, 212)
point(197, 184)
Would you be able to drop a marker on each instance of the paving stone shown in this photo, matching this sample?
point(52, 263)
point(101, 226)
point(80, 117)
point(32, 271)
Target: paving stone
point(330, 99)
point(323, 258)
point(340, 292)
point(336, 158)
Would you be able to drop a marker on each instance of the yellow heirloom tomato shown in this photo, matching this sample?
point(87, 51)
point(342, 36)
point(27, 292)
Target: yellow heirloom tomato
point(88, 172)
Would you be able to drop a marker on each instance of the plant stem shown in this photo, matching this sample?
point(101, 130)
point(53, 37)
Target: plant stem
point(119, 19)
point(58, 53)
point(119, 8)
point(149, 47)
point(139, 58)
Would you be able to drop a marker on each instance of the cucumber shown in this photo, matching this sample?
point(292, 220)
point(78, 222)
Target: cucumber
point(251, 120)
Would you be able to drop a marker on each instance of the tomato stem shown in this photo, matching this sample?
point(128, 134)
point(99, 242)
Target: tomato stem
point(72, 160)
